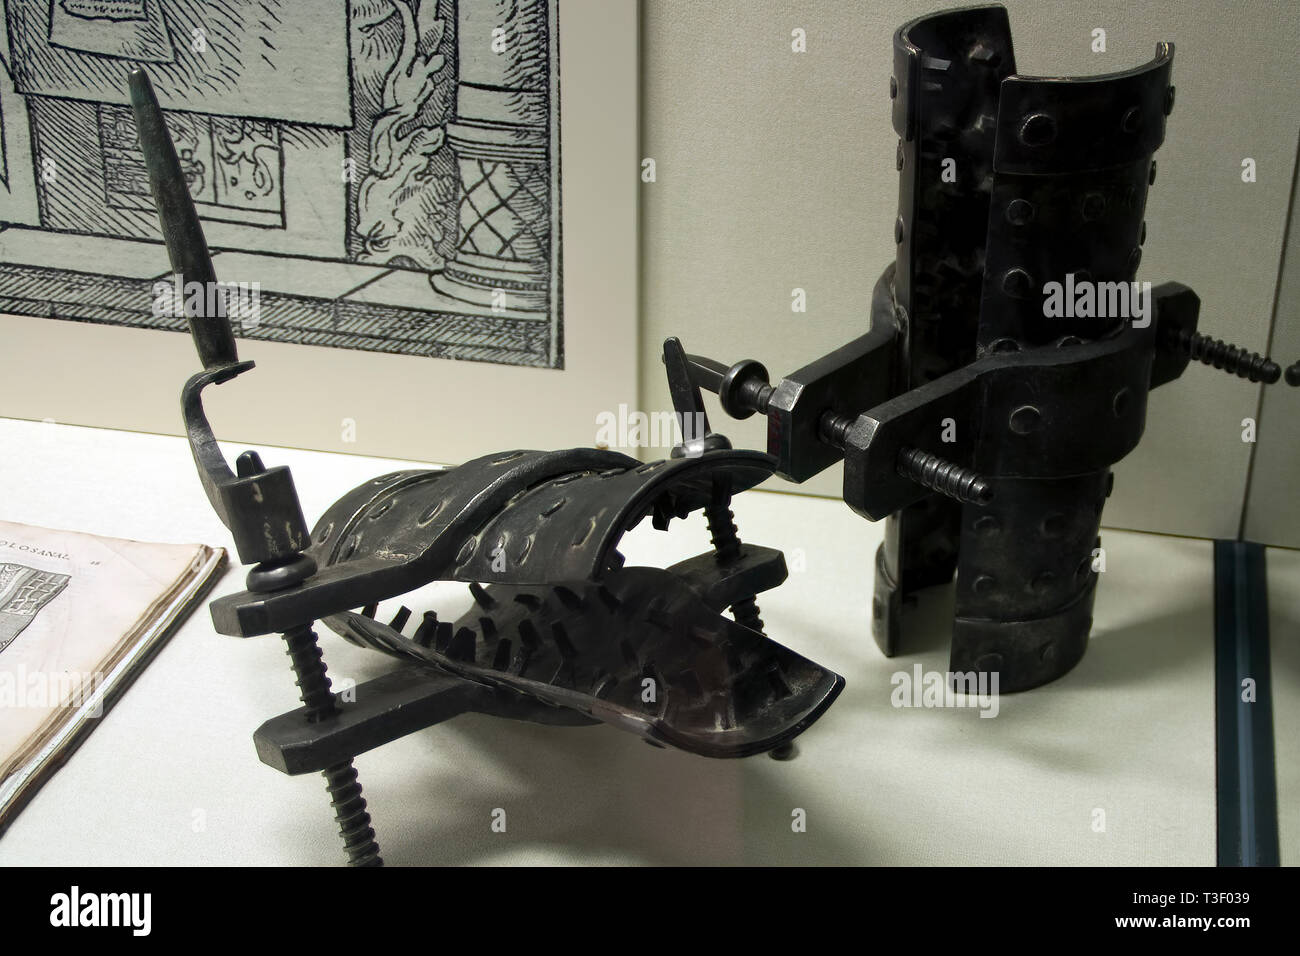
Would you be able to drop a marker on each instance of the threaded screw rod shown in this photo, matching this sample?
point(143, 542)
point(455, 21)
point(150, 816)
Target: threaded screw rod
point(726, 547)
point(341, 779)
point(1230, 358)
point(945, 477)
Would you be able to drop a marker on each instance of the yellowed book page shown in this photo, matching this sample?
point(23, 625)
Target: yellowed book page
point(67, 601)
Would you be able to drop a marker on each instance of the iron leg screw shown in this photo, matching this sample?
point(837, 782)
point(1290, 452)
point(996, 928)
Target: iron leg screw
point(340, 779)
point(726, 544)
point(943, 476)
point(1230, 358)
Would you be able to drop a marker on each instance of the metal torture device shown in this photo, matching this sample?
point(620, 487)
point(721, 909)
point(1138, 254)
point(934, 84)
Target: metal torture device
point(981, 429)
point(1051, 182)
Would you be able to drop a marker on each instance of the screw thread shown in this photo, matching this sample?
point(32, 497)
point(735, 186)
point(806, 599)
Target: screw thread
point(726, 545)
point(350, 813)
point(309, 671)
point(723, 532)
point(340, 779)
point(1230, 358)
point(745, 613)
point(945, 477)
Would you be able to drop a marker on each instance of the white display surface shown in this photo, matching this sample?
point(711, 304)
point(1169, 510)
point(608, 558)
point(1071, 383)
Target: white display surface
point(172, 777)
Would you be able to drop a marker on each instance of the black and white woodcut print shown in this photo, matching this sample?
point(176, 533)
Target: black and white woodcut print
point(23, 592)
point(379, 175)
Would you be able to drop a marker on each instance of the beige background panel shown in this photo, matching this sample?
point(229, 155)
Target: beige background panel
point(1273, 499)
point(776, 171)
point(402, 406)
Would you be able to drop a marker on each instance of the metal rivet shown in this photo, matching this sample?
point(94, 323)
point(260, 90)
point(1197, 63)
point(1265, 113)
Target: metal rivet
point(1004, 345)
point(1016, 282)
point(898, 159)
point(1134, 259)
point(983, 584)
point(987, 524)
point(1094, 206)
point(1038, 129)
point(989, 664)
point(1025, 419)
point(1132, 120)
point(1169, 100)
point(893, 88)
point(1042, 581)
point(898, 229)
point(1065, 341)
point(1142, 238)
point(1151, 176)
point(1020, 212)
point(1120, 402)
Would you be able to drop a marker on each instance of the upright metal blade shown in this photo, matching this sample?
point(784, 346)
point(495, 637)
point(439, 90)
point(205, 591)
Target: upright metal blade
point(687, 403)
point(186, 246)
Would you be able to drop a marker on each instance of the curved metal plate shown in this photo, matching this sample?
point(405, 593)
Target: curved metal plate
point(641, 651)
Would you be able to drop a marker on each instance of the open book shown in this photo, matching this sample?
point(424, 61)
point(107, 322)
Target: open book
point(80, 616)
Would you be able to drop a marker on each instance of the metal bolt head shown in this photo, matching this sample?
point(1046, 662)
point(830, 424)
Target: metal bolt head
point(1025, 419)
point(1038, 129)
point(1020, 212)
point(1093, 207)
point(1017, 283)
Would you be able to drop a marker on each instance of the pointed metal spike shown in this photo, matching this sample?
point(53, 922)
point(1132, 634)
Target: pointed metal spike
point(528, 634)
point(481, 597)
point(442, 635)
point(428, 627)
point(501, 656)
point(369, 611)
point(568, 597)
point(462, 645)
point(530, 601)
point(400, 618)
point(561, 637)
point(521, 660)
